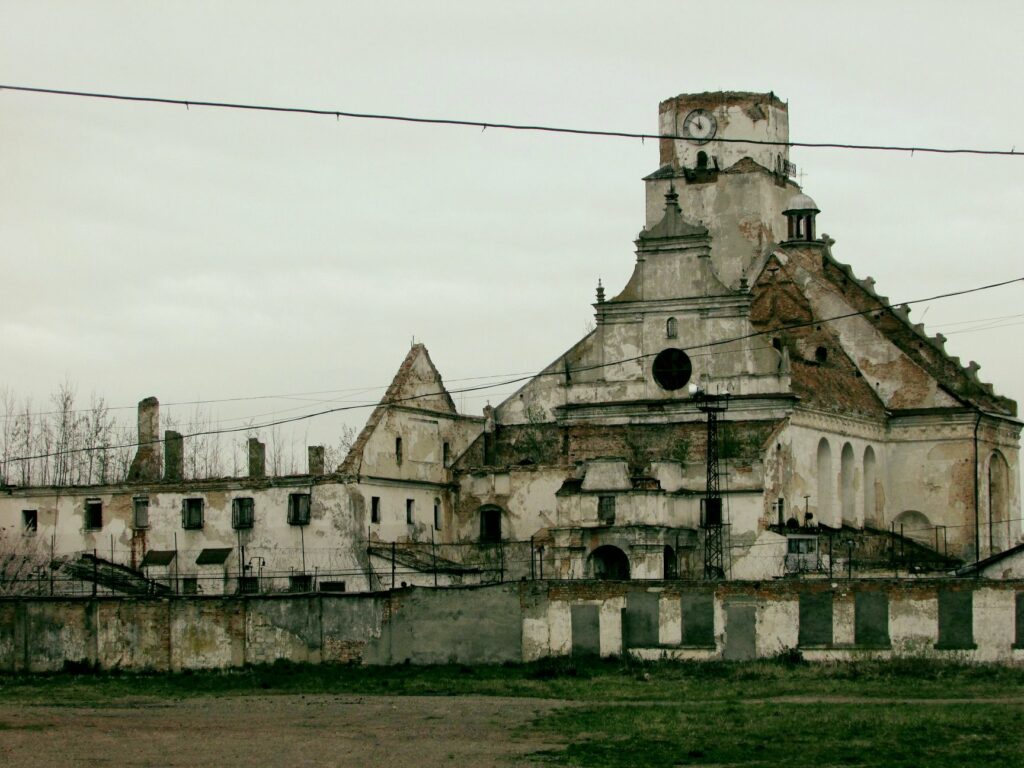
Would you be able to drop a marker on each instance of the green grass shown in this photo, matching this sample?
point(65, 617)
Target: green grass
point(794, 735)
point(562, 678)
point(628, 713)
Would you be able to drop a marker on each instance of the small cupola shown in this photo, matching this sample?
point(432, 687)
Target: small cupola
point(800, 212)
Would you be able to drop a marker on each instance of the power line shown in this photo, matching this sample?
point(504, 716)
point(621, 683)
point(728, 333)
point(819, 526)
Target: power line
point(563, 372)
point(484, 125)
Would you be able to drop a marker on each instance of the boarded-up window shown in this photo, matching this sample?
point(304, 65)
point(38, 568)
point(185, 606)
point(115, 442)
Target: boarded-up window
point(871, 619)
point(140, 513)
point(298, 508)
point(956, 620)
point(243, 513)
point(815, 618)
point(698, 613)
point(191, 514)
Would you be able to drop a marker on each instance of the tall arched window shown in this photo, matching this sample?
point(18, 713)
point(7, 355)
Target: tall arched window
point(846, 479)
point(825, 482)
point(998, 503)
point(671, 328)
point(871, 515)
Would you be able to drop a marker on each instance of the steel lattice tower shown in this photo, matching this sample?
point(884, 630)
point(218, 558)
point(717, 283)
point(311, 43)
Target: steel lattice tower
point(711, 505)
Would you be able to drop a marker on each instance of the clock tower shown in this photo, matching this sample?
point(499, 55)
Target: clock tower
point(725, 154)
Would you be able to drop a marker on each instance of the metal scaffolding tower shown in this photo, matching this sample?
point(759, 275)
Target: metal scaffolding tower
point(711, 519)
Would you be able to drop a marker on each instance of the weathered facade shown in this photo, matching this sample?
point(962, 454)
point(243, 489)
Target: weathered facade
point(844, 420)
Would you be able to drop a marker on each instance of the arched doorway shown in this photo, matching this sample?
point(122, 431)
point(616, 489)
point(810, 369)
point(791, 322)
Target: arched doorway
point(915, 525)
point(998, 503)
point(608, 562)
point(490, 524)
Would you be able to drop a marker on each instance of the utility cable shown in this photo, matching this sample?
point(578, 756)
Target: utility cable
point(484, 125)
point(398, 401)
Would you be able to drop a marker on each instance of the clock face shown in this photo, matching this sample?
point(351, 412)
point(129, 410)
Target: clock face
point(700, 126)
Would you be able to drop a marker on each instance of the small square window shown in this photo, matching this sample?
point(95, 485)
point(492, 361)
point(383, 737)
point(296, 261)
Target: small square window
point(606, 510)
point(190, 585)
point(243, 513)
point(298, 509)
point(192, 514)
point(30, 521)
point(409, 503)
point(437, 514)
point(375, 509)
point(248, 585)
point(140, 513)
point(93, 514)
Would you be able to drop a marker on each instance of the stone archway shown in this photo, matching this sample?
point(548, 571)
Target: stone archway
point(608, 563)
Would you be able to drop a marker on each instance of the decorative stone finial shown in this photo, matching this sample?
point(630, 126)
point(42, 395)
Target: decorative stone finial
point(600, 292)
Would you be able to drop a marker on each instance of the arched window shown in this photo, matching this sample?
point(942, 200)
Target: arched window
point(671, 328)
point(702, 159)
point(998, 503)
point(490, 524)
point(871, 515)
point(846, 473)
point(825, 482)
point(915, 525)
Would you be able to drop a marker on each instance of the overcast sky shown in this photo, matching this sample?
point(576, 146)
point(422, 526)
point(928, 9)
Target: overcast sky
point(213, 254)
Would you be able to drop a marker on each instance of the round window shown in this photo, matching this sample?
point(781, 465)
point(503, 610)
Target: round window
point(672, 369)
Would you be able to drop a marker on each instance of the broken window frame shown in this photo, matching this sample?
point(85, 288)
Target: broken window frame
point(92, 516)
point(29, 521)
point(299, 506)
point(192, 512)
point(243, 513)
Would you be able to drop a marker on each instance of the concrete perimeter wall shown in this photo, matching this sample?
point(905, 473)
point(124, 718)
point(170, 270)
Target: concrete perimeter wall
point(960, 619)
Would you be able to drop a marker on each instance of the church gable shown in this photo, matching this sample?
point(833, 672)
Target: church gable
point(418, 385)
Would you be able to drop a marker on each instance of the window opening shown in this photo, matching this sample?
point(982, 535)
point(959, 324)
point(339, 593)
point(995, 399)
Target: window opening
point(30, 521)
point(243, 513)
point(300, 582)
point(191, 514)
point(408, 511)
point(398, 451)
point(437, 514)
point(671, 328)
point(375, 509)
point(93, 514)
point(445, 454)
point(140, 513)
point(190, 585)
point(606, 510)
point(490, 525)
point(298, 509)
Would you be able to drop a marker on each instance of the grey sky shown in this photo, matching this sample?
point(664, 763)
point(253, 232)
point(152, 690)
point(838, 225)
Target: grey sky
point(153, 250)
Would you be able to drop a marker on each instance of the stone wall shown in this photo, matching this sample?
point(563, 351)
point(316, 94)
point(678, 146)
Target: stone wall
point(958, 619)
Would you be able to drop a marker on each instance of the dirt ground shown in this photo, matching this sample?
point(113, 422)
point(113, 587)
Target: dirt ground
point(271, 731)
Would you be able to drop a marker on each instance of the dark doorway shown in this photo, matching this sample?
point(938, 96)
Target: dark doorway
point(490, 525)
point(671, 567)
point(608, 562)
